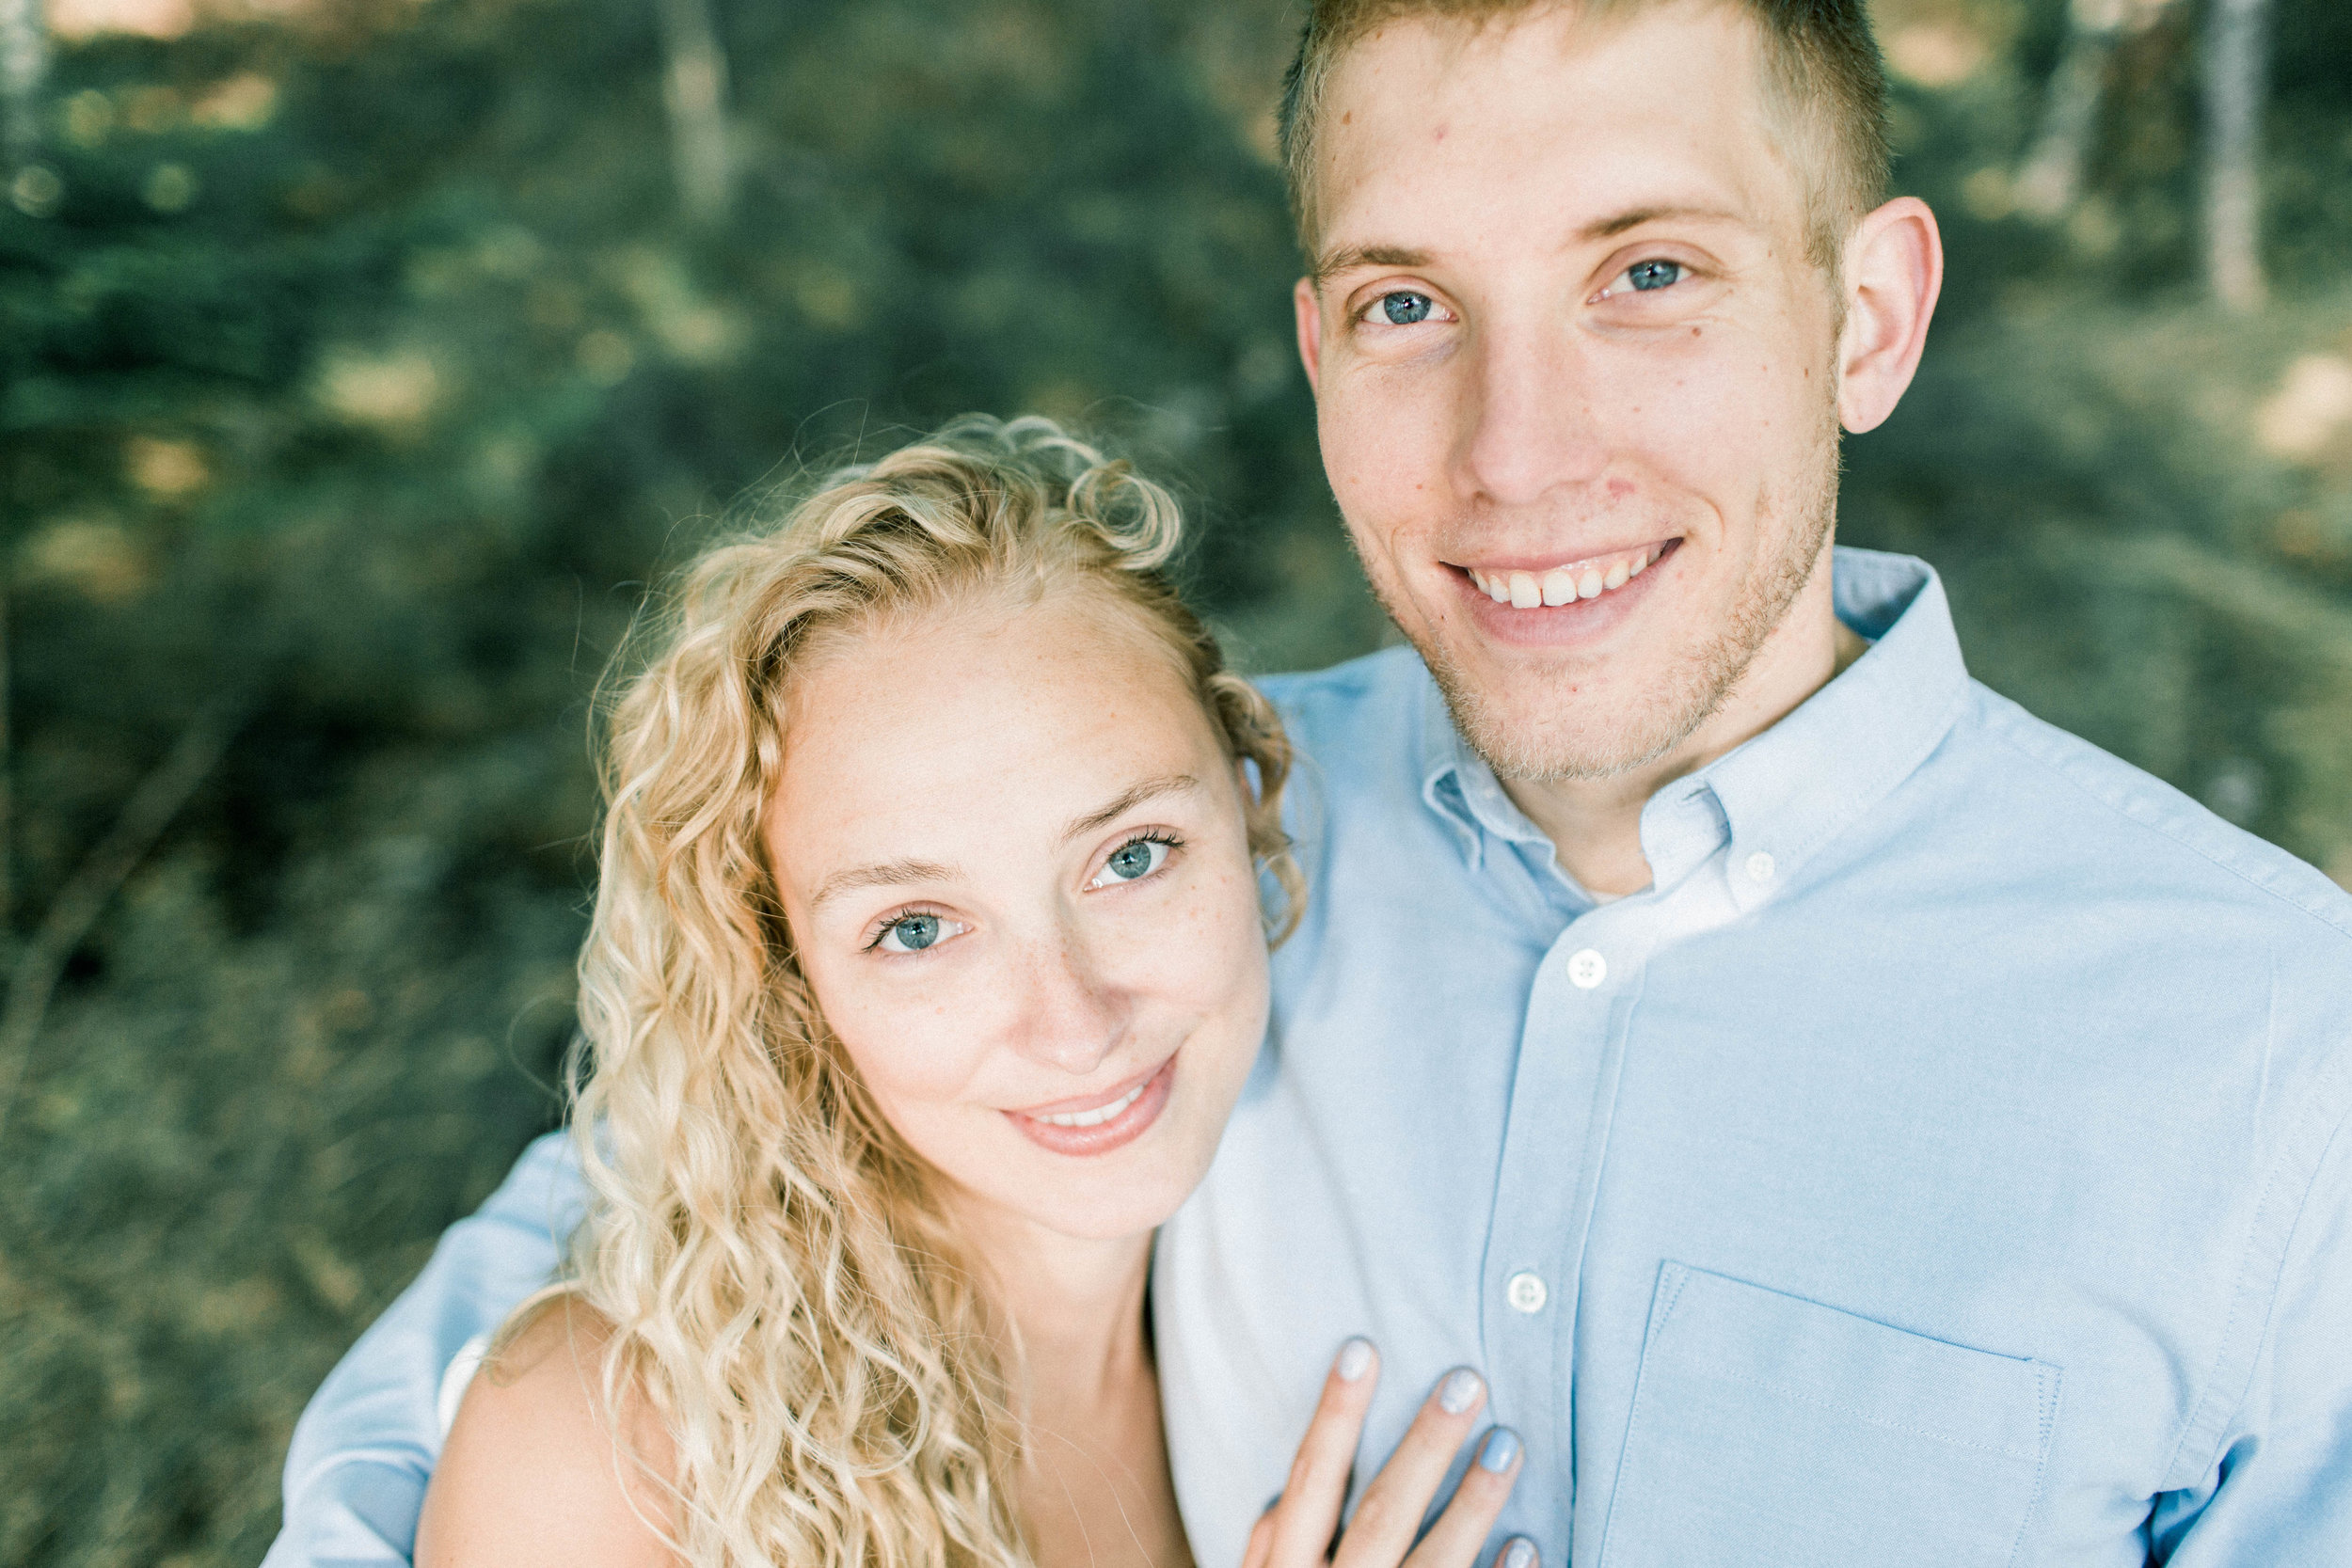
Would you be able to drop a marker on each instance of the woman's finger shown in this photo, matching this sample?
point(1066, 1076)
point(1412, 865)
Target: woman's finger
point(1390, 1514)
point(1455, 1541)
point(1307, 1514)
point(1261, 1542)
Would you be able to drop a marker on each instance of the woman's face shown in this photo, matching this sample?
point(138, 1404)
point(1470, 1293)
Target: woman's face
point(1014, 856)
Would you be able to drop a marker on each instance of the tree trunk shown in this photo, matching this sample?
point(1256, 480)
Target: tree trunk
point(695, 89)
point(24, 67)
point(2236, 47)
point(2052, 175)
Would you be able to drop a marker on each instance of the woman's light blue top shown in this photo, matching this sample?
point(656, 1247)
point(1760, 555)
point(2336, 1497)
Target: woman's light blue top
point(1945, 1163)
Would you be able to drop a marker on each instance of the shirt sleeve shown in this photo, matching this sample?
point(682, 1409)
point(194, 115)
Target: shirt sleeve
point(365, 1445)
point(2281, 1491)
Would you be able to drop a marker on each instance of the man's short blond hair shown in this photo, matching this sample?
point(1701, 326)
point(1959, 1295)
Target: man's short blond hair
point(1824, 85)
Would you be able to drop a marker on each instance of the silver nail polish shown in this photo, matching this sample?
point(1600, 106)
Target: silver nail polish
point(1355, 1360)
point(1520, 1553)
point(1459, 1391)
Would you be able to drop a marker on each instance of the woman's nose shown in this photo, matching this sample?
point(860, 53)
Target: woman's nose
point(1072, 1018)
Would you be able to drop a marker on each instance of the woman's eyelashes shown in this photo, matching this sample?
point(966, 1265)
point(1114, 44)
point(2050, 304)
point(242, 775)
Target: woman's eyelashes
point(915, 932)
point(909, 931)
point(1136, 858)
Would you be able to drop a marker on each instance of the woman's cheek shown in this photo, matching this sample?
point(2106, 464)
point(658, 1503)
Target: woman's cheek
point(909, 1050)
point(1228, 952)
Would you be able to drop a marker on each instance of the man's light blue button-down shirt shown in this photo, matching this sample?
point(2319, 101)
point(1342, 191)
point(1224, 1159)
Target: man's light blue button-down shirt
point(1945, 1162)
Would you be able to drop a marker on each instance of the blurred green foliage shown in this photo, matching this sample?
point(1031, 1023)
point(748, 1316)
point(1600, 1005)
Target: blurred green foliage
point(357, 363)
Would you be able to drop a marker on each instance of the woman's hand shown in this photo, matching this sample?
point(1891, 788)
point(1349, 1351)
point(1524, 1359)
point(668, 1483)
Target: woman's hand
point(1302, 1529)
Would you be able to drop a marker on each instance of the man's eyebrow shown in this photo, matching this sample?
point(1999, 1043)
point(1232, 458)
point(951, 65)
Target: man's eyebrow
point(1347, 258)
point(887, 874)
point(1168, 783)
point(1633, 217)
point(1332, 263)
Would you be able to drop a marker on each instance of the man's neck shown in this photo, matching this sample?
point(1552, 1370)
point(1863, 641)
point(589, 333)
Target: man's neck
point(1595, 824)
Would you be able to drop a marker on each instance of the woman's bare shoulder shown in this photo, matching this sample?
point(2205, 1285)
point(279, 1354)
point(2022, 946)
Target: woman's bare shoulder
point(532, 1472)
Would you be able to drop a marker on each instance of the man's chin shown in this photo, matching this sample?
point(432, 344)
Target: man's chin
point(1588, 729)
point(1543, 748)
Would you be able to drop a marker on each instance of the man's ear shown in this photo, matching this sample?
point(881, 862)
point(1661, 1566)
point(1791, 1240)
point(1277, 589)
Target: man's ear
point(1894, 271)
point(1308, 305)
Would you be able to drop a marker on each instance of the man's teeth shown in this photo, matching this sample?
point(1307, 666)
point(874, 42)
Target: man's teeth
point(1099, 1115)
point(1581, 579)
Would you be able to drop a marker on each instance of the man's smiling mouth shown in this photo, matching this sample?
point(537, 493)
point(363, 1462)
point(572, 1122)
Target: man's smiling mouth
point(1569, 581)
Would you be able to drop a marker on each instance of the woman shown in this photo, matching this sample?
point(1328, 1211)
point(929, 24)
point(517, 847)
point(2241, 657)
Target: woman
point(927, 960)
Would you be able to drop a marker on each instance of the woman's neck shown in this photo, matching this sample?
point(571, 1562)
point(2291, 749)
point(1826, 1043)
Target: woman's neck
point(1074, 1304)
point(1095, 1483)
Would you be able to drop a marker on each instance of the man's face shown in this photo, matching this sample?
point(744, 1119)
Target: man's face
point(1574, 368)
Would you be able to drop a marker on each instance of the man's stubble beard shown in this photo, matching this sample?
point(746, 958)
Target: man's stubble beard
point(1692, 690)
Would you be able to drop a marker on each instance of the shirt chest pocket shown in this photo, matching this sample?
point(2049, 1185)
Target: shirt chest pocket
point(1768, 1431)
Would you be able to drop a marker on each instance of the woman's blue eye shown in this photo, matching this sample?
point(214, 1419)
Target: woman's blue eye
point(1135, 858)
point(1645, 276)
point(909, 933)
point(1405, 310)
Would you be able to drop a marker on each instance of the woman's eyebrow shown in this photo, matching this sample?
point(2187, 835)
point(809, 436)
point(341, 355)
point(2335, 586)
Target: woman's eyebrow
point(909, 872)
point(888, 874)
point(1149, 789)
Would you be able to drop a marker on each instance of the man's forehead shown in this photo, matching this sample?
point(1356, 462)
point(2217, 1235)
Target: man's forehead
point(1604, 123)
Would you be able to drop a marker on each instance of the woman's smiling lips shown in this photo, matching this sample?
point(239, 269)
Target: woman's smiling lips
point(1099, 1123)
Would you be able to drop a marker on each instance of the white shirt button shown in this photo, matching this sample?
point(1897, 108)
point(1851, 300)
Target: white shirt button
point(1587, 969)
point(1760, 866)
point(1525, 1292)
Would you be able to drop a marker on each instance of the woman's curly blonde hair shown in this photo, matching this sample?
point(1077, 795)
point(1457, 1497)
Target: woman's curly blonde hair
point(784, 1290)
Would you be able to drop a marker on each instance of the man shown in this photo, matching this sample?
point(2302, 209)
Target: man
point(1848, 1121)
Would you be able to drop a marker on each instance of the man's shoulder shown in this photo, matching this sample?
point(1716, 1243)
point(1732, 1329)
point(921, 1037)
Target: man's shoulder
point(1308, 694)
point(2113, 824)
point(1358, 733)
point(1366, 705)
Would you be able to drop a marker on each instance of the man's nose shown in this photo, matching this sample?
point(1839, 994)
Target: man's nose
point(1072, 1016)
point(1529, 420)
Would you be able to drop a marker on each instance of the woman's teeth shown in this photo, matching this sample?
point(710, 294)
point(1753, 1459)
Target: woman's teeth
point(1583, 580)
point(1101, 1113)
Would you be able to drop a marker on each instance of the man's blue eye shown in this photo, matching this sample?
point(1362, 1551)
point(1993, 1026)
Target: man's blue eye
point(1405, 310)
point(1645, 276)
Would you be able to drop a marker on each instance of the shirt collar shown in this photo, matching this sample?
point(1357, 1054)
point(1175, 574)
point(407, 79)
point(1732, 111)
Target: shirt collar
point(1783, 795)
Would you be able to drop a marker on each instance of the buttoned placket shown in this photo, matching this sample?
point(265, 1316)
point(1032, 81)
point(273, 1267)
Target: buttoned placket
point(1720, 844)
point(1579, 1014)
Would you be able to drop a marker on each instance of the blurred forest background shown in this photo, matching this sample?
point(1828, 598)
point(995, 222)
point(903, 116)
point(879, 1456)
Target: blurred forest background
point(362, 361)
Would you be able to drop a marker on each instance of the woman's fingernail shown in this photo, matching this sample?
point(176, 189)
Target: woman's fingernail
point(1503, 1447)
point(1520, 1553)
point(1459, 1391)
point(1355, 1360)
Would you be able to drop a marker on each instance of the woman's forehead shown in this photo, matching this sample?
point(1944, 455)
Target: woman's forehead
point(946, 722)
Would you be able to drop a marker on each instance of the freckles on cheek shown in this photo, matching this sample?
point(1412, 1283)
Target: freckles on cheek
point(911, 1053)
point(921, 1067)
